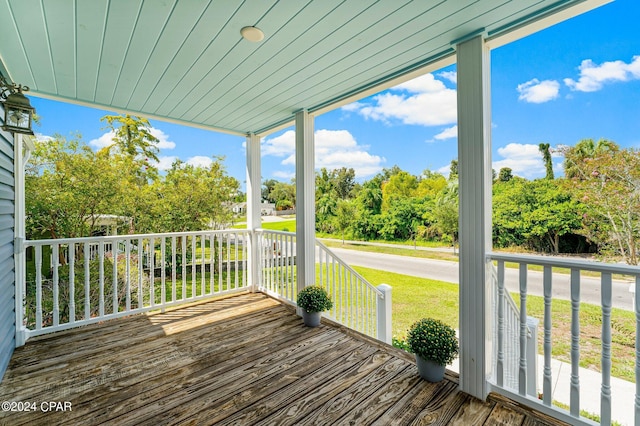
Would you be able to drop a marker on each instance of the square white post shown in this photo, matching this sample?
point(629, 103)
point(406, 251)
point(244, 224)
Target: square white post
point(383, 308)
point(19, 232)
point(474, 173)
point(305, 201)
point(254, 220)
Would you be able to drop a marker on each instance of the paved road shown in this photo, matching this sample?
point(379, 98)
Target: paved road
point(448, 271)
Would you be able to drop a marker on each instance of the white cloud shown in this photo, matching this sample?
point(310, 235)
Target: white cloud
point(524, 160)
point(165, 162)
point(103, 141)
point(445, 170)
point(448, 133)
point(593, 76)
point(200, 161)
point(333, 149)
point(284, 175)
point(452, 76)
point(354, 106)
point(537, 92)
point(423, 101)
point(107, 139)
point(43, 138)
point(163, 139)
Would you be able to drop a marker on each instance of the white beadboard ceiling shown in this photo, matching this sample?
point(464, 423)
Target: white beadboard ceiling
point(185, 61)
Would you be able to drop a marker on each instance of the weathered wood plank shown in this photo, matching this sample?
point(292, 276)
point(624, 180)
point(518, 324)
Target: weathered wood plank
point(338, 406)
point(442, 407)
point(474, 412)
point(296, 401)
point(245, 359)
point(416, 398)
point(501, 415)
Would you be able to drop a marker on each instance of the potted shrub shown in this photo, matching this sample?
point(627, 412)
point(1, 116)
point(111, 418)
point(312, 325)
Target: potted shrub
point(435, 345)
point(313, 300)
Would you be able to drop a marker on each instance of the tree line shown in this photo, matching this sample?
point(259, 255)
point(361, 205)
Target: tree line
point(69, 186)
point(594, 208)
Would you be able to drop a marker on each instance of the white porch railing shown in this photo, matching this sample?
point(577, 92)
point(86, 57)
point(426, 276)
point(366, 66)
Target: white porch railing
point(506, 339)
point(356, 303)
point(72, 282)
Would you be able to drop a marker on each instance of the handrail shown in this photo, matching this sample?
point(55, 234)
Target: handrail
point(584, 265)
point(350, 269)
point(107, 238)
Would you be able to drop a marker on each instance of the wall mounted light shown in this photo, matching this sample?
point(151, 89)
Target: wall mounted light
point(18, 112)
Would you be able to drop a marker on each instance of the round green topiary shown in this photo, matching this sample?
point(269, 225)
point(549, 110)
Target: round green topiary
point(314, 299)
point(433, 340)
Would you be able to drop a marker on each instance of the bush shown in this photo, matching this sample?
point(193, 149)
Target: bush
point(314, 299)
point(433, 340)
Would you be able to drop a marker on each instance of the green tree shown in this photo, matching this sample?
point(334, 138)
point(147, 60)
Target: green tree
point(132, 136)
point(446, 213)
point(400, 185)
point(609, 185)
point(345, 211)
point(575, 157)
point(544, 149)
point(67, 187)
point(192, 198)
point(505, 174)
point(551, 212)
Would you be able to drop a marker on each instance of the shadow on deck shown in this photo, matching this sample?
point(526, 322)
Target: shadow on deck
point(240, 360)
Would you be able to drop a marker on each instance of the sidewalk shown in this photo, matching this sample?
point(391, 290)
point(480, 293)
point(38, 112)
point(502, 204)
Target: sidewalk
point(622, 392)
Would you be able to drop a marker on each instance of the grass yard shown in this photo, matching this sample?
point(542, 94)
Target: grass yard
point(414, 298)
point(283, 225)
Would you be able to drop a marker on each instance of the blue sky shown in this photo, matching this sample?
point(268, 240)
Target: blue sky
point(579, 79)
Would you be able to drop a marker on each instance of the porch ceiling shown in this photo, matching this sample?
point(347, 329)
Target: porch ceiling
point(186, 61)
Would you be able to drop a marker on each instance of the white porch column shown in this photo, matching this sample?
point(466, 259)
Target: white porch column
point(305, 201)
point(19, 235)
point(254, 221)
point(474, 173)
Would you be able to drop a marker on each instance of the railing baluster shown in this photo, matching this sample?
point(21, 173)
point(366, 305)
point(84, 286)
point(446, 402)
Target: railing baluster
point(101, 278)
point(522, 377)
point(605, 398)
point(220, 276)
point(114, 281)
point(140, 272)
point(38, 287)
point(174, 273)
point(547, 384)
point(574, 406)
point(212, 263)
point(56, 281)
point(87, 299)
point(152, 272)
point(127, 279)
point(163, 272)
point(500, 362)
point(236, 240)
point(72, 283)
point(183, 245)
point(194, 284)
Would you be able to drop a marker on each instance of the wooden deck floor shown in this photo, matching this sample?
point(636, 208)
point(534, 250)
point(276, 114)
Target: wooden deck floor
point(239, 361)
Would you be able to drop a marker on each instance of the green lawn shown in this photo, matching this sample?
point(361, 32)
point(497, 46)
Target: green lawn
point(283, 225)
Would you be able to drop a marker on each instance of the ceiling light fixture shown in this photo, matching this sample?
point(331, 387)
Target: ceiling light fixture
point(253, 34)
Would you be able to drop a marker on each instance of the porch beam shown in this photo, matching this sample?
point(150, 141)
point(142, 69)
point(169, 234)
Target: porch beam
point(305, 201)
point(254, 220)
point(474, 168)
